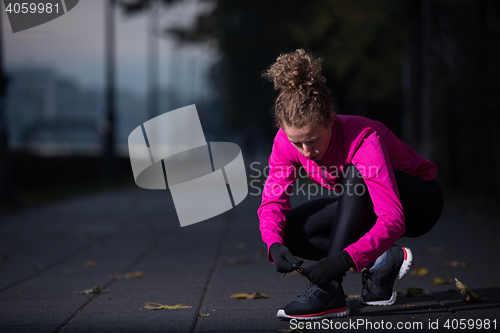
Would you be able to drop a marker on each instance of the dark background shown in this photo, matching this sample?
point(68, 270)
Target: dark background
point(429, 70)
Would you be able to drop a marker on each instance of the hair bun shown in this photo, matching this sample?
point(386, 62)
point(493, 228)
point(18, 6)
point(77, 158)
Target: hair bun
point(295, 70)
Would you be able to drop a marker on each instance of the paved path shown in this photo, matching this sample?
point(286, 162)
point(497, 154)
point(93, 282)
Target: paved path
point(45, 251)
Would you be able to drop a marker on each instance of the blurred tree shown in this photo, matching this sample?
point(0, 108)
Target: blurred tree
point(448, 51)
point(7, 192)
point(131, 7)
point(454, 91)
point(361, 43)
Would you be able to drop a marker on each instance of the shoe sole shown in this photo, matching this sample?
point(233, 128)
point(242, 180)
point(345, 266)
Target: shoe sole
point(405, 267)
point(338, 313)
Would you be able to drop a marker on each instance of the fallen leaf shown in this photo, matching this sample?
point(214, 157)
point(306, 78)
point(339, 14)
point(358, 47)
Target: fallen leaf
point(89, 263)
point(131, 275)
point(438, 280)
point(232, 261)
point(261, 253)
point(239, 246)
point(467, 294)
point(87, 235)
point(201, 314)
point(255, 295)
point(454, 264)
point(93, 290)
point(409, 305)
point(433, 250)
point(157, 306)
point(420, 271)
point(292, 273)
point(4, 256)
point(415, 292)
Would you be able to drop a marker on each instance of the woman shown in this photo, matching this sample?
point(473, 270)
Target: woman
point(386, 191)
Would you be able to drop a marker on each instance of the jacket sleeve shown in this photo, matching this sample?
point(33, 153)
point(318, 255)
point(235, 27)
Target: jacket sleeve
point(373, 162)
point(276, 198)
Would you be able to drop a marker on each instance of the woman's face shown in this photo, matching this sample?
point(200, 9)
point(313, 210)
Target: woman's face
point(312, 141)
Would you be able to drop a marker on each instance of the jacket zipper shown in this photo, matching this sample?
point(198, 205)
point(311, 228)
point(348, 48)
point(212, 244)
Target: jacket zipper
point(324, 175)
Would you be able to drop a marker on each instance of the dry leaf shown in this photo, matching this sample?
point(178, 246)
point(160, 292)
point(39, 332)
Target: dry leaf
point(438, 280)
point(255, 295)
point(433, 250)
point(93, 290)
point(454, 264)
point(261, 253)
point(415, 292)
point(89, 263)
point(409, 305)
point(420, 271)
point(239, 246)
point(4, 256)
point(87, 235)
point(201, 314)
point(292, 273)
point(157, 306)
point(467, 294)
point(232, 261)
point(131, 275)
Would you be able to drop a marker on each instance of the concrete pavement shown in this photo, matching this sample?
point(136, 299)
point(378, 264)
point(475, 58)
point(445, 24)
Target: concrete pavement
point(46, 253)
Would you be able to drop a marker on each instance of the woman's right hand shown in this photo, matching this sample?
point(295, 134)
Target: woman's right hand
point(283, 258)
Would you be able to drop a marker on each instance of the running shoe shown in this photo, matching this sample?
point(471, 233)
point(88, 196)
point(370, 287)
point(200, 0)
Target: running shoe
point(317, 302)
point(380, 285)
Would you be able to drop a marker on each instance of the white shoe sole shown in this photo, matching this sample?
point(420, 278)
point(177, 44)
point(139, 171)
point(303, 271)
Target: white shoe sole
point(405, 267)
point(281, 314)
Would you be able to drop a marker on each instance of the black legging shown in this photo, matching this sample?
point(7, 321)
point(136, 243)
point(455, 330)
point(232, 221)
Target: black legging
point(325, 227)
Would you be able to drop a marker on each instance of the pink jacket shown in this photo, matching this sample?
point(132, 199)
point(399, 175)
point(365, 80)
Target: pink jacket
point(374, 150)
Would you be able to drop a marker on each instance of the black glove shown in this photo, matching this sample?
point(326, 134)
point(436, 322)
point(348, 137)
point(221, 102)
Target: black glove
point(329, 268)
point(283, 258)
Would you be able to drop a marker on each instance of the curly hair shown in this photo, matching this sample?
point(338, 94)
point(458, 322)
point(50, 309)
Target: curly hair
point(303, 96)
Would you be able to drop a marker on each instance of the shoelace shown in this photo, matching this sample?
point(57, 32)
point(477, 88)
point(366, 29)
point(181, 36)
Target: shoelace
point(308, 293)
